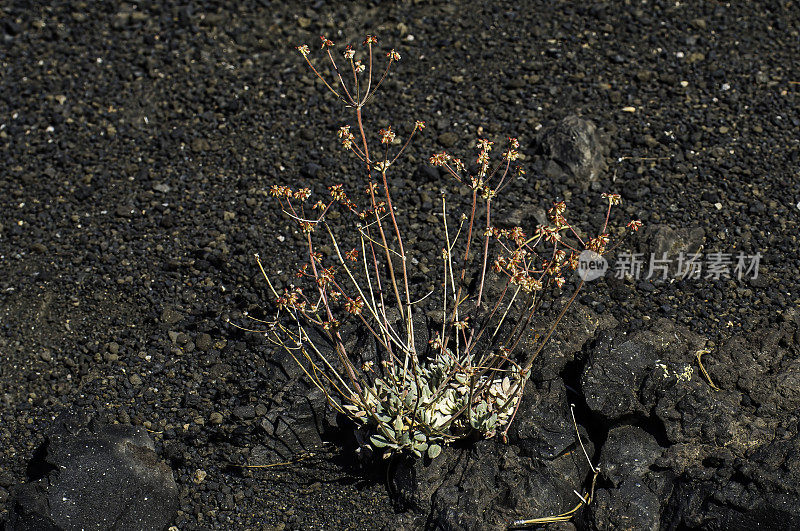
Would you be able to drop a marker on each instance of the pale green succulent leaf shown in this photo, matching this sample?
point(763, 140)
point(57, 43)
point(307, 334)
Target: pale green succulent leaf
point(378, 441)
point(434, 450)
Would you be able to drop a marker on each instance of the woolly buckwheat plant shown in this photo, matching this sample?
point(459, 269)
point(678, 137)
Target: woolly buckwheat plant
point(411, 395)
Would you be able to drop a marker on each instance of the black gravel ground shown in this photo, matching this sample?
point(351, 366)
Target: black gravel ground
point(138, 140)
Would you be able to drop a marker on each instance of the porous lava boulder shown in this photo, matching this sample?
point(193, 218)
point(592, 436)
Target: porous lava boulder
point(633, 492)
point(575, 147)
point(297, 426)
point(621, 366)
point(490, 484)
point(676, 246)
point(726, 458)
point(95, 476)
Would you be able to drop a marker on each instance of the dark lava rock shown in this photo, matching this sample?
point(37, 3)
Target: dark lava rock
point(95, 476)
point(730, 455)
point(628, 452)
point(574, 144)
point(666, 243)
point(635, 496)
point(621, 364)
point(764, 365)
point(311, 170)
point(448, 139)
point(486, 487)
point(171, 316)
point(576, 328)
point(523, 216)
point(425, 173)
point(204, 342)
point(297, 427)
point(541, 428)
point(125, 211)
point(245, 412)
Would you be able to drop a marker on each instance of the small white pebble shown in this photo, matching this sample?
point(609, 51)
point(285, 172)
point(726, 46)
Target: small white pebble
point(629, 109)
point(684, 84)
point(718, 206)
point(726, 86)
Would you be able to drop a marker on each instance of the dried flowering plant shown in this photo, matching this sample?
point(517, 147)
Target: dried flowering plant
point(415, 395)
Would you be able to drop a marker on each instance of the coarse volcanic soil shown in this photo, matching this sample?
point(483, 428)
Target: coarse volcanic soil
point(138, 139)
